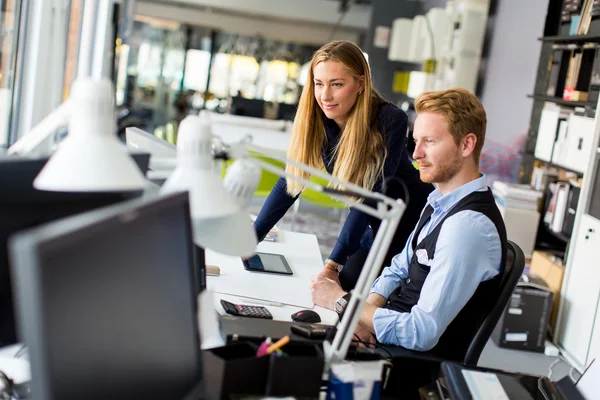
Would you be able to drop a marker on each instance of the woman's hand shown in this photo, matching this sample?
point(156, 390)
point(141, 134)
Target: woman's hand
point(331, 274)
point(331, 270)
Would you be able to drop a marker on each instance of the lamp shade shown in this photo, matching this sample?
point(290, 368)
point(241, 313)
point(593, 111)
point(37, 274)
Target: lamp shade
point(218, 220)
point(232, 235)
point(91, 158)
point(241, 180)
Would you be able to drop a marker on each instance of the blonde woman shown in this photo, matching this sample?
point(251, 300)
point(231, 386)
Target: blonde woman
point(343, 125)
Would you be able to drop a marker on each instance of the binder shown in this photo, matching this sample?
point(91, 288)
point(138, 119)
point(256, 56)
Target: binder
point(578, 145)
point(547, 132)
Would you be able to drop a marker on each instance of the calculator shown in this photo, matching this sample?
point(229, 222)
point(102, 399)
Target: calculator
point(246, 311)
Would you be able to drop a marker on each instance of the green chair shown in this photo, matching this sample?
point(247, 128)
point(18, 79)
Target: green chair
point(160, 132)
point(319, 199)
point(171, 132)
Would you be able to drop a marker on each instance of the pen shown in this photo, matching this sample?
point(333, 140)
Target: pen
point(260, 302)
point(278, 344)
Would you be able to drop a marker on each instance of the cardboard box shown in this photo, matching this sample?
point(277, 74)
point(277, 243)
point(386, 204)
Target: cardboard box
point(524, 323)
point(521, 226)
point(551, 269)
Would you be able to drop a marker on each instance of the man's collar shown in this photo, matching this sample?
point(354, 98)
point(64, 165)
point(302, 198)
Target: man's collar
point(446, 202)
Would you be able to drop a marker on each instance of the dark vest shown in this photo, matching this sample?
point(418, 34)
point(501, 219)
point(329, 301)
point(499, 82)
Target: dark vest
point(454, 342)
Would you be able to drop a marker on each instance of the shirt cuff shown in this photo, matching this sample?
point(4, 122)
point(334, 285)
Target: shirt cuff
point(381, 288)
point(384, 322)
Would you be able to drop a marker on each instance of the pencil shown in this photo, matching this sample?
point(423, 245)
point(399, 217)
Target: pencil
point(278, 344)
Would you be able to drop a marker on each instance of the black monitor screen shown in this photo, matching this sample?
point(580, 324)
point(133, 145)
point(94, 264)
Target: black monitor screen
point(107, 302)
point(22, 207)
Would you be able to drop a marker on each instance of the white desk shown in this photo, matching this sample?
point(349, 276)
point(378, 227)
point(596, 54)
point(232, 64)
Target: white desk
point(302, 253)
point(267, 138)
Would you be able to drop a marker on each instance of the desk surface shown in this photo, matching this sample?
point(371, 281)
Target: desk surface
point(302, 253)
point(270, 139)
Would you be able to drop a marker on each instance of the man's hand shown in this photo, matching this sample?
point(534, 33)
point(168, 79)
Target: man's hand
point(325, 291)
point(364, 337)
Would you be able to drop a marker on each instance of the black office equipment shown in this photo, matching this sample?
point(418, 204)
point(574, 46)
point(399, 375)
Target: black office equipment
point(270, 263)
point(239, 328)
point(246, 311)
point(22, 207)
point(516, 386)
point(306, 316)
point(312, 331)
point(248, 107)
point(106, 302)
point(286, 111)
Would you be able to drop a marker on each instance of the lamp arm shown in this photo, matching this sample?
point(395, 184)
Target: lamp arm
point(56, 119)
point(362, 192)
point(377, 213)
point(339, 347)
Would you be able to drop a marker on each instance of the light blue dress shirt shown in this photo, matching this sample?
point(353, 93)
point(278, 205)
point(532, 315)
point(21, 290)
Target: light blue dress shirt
point(468, 251)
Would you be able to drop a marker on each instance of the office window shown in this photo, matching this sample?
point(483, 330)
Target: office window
point(74, 35)
point(9, 28)
point(233, 75)
point(196, 70)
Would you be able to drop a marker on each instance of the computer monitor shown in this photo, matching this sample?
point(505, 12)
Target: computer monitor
point(22, 207)
point(287, 111)
point(107, 302)
point(248, 107)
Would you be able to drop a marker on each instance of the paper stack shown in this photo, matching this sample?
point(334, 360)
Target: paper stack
point(512, 195)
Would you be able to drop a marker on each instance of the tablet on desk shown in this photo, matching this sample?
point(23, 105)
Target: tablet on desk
point(266, 262)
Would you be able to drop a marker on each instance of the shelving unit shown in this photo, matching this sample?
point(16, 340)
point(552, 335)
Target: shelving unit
point(570, 39)
point(559, 167)
point(561, 101)
point(578, 324)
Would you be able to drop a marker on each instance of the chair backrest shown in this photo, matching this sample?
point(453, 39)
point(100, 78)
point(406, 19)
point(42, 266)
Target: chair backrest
point(320, 199)
point(513, 269)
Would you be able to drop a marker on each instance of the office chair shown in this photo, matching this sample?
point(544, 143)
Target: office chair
point(319, 199)
point(513, 269)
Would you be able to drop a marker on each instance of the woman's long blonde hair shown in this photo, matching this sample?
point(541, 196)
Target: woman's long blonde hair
point(360, 152)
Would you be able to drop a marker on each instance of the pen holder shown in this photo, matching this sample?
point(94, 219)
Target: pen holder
point(234, 369)
point(297, 372)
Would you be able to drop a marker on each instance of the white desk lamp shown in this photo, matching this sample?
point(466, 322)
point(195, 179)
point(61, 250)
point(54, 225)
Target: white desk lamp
point(389, 211)
point(91, 158)
point(219, 223)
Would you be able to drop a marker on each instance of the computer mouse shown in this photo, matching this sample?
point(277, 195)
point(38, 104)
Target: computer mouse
point(306, 316)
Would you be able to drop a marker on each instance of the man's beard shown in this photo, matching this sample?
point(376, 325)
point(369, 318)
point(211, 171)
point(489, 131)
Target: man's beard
point(443, 172)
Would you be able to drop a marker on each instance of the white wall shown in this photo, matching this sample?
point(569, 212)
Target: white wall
point(511, 68)
point(291, 25)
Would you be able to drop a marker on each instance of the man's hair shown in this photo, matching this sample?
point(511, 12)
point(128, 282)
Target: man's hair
point(461, 109)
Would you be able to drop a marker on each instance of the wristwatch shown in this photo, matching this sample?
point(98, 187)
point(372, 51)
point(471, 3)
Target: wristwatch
point(341, 304)
point(337, 267)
